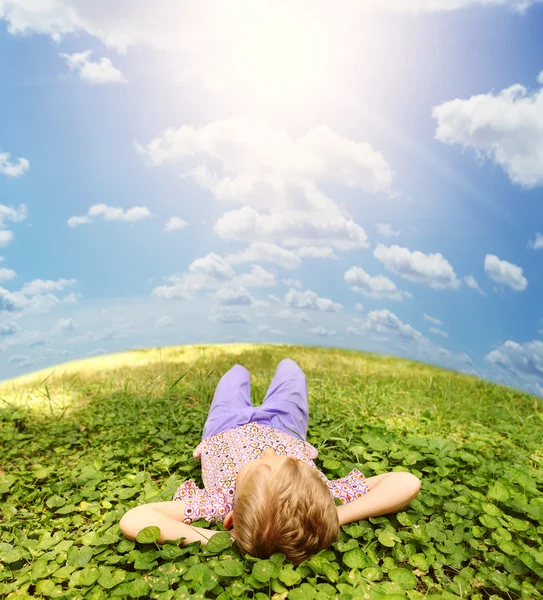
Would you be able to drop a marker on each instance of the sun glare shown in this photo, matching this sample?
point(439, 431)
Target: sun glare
point(274, 51)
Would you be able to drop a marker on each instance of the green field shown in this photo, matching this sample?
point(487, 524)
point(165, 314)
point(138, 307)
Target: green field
point(82, 443)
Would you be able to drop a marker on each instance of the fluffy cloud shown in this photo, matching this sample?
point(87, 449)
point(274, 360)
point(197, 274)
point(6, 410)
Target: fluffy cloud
point(536, 244)
point(519, 359)
point(386, 230)
point(507, 128)
point(66, 325)
point(175, 223)
point(111, 213)
point(293, 228)
point(265, 252)
point(385, 323)
point(316, 252)
point(8, 213)
point(234, 297)
point(261, 165)
point(292, 283)
point(11, 302)
point(210, 273)
point(6, 274)
point(431, 270)
point(472, 283)
point(6, 237)
point(40, 286)
point(12, 169)
point(9, 328)
point(99, 72)
point(310, 300)
point(212, 266)
point(505, 273)
point(359, 308)
point(378, 286)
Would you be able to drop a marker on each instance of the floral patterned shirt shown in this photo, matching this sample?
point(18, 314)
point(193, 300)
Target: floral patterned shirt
point(222, 456)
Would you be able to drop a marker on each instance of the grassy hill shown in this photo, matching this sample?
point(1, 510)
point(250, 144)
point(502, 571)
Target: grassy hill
point(82, 443)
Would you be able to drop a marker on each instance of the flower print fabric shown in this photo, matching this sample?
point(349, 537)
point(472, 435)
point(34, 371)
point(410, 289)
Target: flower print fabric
point(223, 455)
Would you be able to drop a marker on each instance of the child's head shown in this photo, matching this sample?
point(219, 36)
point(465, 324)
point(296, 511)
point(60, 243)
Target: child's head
point(286, 509)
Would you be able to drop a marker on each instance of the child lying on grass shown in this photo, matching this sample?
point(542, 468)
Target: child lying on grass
point(260, 480)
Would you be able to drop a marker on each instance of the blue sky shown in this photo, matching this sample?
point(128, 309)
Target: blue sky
point(367, 179)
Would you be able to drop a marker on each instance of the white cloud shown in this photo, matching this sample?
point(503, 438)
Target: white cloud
point(170, 25)
point(212, 266)
point(290, 316)
point(507, 128)
point(9, 328)
point(310, 300)
point(66, 325)
point(359, 308)
point(7, 213)
point(431, 270)
point(268, 329)
point(385, 323)
point(316, 252)
point(209, 273)
point(536, 244)
point(175, 223)
point(322, 331)
point(438, 331)
point(39, 286)
point(258, 277)
point(111, 213)
point(265, 252)
point(432, 319)
point(519, 359)
point(293, 283)
point(378, 286)
point(229, 317)
point(99, 72)
point(293, 228)
point(274, 299)
point(11, 302)
point(6, 274)
point(234, 297)
point(164, 322)
point(261, 165)
point(472, 283)
point(6, 236)
point(75, 221)
point(19, 360)
point(505, 273)
point(386, 230)
point(12, 169)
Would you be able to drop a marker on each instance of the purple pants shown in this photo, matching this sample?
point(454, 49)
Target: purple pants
point(284, 407)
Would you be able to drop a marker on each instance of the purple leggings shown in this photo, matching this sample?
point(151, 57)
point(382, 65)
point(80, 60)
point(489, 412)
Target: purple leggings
point(284, 407)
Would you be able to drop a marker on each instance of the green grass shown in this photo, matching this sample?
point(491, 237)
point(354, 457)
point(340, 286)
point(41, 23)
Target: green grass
point(83, 443)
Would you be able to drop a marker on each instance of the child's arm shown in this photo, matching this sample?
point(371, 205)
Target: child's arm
point(388, 493)
point(167, 516)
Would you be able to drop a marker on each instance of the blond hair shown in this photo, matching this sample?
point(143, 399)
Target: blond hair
point(289, 510)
